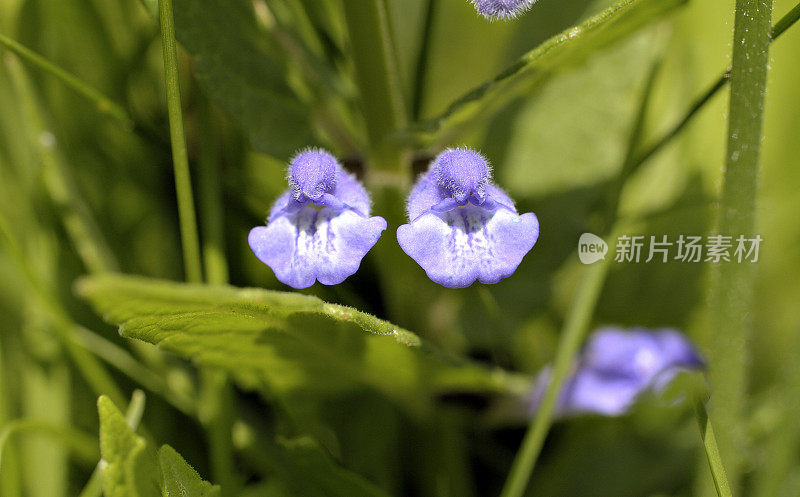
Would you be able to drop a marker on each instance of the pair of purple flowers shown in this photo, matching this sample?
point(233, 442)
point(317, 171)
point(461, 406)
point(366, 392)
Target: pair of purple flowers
point(462, 227)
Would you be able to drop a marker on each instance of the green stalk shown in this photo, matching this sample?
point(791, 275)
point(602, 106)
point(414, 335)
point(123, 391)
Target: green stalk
point(577, 323)
point(211, 204)
point(92, 371)
point(120, 359)
point(101, 102)
point(785, 22)
point(731, 301)
point(10, 483)
point(75, 215)
point(216, 409)
point(721, 82)
point(216, 412)
point(422, 60)
point(711, 450)
point(82, 445)
point(378, 79)
point(180, 158)
point(388, 170)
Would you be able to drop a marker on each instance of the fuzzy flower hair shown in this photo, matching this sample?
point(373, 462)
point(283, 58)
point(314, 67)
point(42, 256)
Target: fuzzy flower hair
point(502, 9)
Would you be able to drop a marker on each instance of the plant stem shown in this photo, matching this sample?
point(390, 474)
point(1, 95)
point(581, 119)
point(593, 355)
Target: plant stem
point(59, 183)
point(711, 450)
point(667, 137)
point(121, 360)
point(89, 367)
point(577, 323)
point(731, 301)
point(724, 78)
point(216, 412)
point(83, 446)
point(785, 22)
point(378, 79)
point(211, 204)
point(422, 61)
point(101, 102)
point(180, 158)
point(216, 408)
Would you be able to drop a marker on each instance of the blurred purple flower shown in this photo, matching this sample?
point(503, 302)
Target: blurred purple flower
point(616, 366)
point(502, 9)
point(320, 229)
point(463, 227)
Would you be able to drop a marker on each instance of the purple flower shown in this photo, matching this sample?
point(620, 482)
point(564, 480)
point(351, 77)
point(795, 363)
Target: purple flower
point(617, 366)
point(502, 9)
point(463, 227)
point(320, 229)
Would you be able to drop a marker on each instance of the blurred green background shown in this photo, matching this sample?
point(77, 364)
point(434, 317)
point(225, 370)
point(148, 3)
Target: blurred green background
point(71, 175)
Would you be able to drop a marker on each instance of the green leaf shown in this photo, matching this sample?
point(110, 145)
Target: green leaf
point(180, 479)
point(605, 93)
point(301, 466)
point(236, 64)
point(568, 48)
point(285, 342)
point(129, 464)
point(133, 468)
point(308, 470)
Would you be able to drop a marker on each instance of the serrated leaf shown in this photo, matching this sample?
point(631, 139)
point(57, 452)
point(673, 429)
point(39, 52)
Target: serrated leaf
point(180, 479)
point(236, 64)
point(527, 74)
point(129, 468)
point(284, 342)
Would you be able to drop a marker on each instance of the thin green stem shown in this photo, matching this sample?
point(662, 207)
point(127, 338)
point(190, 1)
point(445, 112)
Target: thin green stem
point(630, 164)
point(10, 478)
point(123, 361)
point(180, 158)
point(93, 487)
point(101, 102)
point(731, 301)
point(787, 21)
point(378, 79)
point(216, 410)
point(212, 212)
point(694, 108)
point(84, 446)
point(575, 328)
point(92, 371)
point(422, 61)
point(576, 324)
point(711, 450)
point(59, 183)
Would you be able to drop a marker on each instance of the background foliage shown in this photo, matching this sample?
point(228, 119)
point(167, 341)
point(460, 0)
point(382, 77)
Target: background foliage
point(308, 393)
